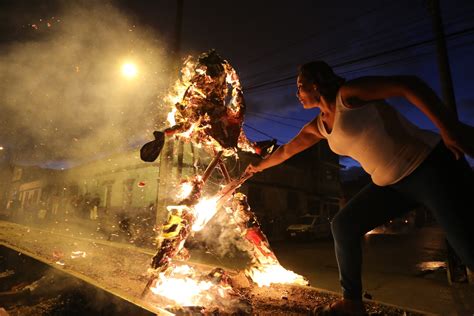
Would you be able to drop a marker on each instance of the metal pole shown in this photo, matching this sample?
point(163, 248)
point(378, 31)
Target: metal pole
point(453, 262)
point(166, 159)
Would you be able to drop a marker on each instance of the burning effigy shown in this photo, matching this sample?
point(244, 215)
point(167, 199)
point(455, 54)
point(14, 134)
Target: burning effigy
point(208, 110)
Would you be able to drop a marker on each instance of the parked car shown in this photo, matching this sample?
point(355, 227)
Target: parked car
point(309, 227)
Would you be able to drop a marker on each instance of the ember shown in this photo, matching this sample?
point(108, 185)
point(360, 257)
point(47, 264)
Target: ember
point(201, 114)
point(78, 254)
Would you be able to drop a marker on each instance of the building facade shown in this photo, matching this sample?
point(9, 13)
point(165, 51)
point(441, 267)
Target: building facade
point(124, 184)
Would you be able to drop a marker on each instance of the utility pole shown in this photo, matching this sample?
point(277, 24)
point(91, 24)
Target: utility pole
point(177, 50)
point(456, 270)
point(444, 69)
point(167, 156)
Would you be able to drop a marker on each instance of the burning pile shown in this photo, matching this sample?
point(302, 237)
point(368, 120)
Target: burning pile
point(201, 114)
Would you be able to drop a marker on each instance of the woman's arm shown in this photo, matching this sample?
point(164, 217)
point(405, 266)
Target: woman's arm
point(458, 137)
point(308, 136)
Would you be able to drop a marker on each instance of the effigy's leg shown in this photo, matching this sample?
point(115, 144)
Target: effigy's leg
point(246, 220)
point(250, 227)
point(178, 225)
point(265, 268)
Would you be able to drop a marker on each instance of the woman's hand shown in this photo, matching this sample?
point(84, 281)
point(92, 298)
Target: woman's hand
point(251, 169)
point(459, 139)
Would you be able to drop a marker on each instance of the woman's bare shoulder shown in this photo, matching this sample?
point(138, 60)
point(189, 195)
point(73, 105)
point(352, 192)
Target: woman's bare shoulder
point(360, 91)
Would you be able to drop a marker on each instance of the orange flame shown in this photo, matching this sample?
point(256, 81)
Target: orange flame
point(182, 288)
point(264, 275)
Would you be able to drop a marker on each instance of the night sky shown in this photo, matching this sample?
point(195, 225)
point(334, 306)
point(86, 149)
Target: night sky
point(264, 41)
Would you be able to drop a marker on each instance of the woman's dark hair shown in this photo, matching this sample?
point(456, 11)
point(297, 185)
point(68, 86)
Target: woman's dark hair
point(323, 76)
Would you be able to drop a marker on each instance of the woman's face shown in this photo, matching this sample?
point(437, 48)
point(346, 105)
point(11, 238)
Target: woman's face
point(307, 93)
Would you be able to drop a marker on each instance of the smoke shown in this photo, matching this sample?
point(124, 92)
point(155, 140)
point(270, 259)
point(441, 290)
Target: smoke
point(224, 239)
point(63, 95)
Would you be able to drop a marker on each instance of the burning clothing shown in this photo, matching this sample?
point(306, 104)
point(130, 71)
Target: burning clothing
point(203, 113)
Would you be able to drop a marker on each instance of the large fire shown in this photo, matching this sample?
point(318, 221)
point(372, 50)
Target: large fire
point(203, 112)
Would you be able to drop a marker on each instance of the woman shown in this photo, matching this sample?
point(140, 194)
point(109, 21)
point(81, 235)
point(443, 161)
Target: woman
point(408, 166)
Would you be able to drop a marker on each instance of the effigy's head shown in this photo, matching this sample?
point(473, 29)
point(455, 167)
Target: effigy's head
point(208, 106)
point(213, 63)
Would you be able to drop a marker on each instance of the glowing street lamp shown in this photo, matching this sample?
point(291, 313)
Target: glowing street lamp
point(129, 70)
point(1, 147)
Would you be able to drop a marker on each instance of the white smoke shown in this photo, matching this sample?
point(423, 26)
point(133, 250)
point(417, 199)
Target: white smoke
point(62, 93)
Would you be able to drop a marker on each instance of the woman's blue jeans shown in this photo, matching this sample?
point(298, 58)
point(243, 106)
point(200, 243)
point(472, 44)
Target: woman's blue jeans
point(441, 183)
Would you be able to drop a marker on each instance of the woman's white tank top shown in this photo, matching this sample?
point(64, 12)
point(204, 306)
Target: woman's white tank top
point(384, 142)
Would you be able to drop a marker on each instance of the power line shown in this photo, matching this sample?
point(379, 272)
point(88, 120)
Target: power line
point(279, 116)
point(398, 60)
point(275, 121)
point(360, 69)
point(322, 52)
point(372, 56)
point(406, 58)
point(263, 133)
point(313, 35)
point(412, 23)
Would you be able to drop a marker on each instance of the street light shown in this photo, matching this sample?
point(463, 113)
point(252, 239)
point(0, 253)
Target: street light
point(129, 70)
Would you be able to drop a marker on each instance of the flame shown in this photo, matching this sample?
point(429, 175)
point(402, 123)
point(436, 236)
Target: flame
point(191, 118)
point(185, 190)
point(182, 288)
point(185, 292)
point(264, 275)
point(170, 118)
point(204, 211)
point(180, 86)
point(198, 132)
point(187, 134)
